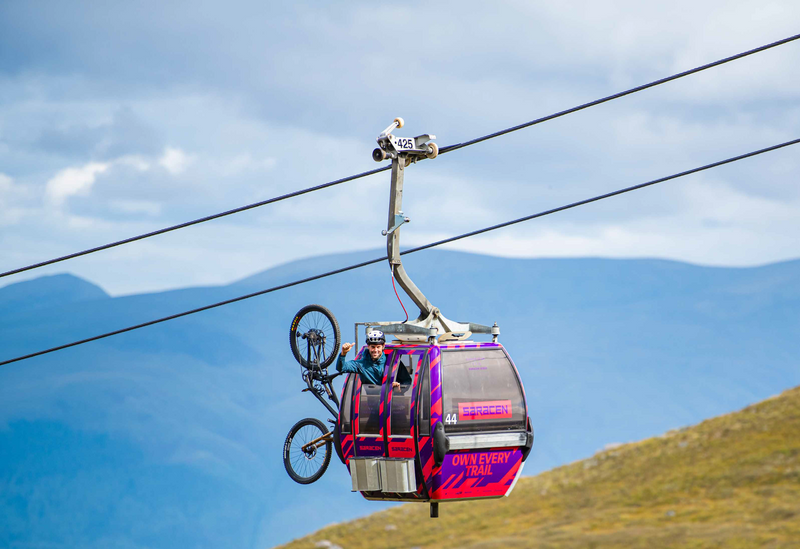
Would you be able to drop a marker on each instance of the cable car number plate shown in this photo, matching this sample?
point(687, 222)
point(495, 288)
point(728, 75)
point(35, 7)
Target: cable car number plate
point(402, 143)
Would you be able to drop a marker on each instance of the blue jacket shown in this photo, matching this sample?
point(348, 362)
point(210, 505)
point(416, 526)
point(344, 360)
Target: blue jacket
point(369, 370)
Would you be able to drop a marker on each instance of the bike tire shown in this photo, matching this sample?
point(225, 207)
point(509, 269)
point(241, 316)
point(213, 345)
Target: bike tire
point(305, 468)
point(320, 318)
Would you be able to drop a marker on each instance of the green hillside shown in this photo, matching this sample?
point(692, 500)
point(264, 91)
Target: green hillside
point(731, 481)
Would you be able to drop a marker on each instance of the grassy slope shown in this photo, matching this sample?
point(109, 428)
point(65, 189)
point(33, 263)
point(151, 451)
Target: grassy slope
point(732, 481)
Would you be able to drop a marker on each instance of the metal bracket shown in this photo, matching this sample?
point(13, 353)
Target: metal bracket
point(431, 325)
point(427, 329)
point(398, 220)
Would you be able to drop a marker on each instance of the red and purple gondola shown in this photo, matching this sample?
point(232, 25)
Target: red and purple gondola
point(459, 430)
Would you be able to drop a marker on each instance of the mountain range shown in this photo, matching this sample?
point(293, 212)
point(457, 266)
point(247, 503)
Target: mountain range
point(171, 435)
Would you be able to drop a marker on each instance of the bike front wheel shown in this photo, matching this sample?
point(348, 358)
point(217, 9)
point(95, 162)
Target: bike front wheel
point(312, 324)
point(307, 451)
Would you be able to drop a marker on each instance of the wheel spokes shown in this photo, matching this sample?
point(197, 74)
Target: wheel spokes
point(306, 464)
point(318, 322)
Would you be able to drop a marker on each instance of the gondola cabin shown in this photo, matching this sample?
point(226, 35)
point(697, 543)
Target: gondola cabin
point(456, 428)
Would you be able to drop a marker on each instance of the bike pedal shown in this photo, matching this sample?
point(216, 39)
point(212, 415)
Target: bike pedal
point(332, 421)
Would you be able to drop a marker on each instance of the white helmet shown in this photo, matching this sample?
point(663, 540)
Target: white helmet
point(376, 337)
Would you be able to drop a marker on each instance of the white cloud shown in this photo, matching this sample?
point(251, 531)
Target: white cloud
point(10, 190)
point(717, 225)
point(277, 128)
point(73, 181)
point(77, 223)
point(175, 161)
point(10, 193)
point(5, 183)
point(134, 161)
point(245, 162)
point(136, 207)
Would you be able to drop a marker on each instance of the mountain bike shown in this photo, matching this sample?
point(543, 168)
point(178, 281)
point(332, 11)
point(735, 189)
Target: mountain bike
point(315, 339)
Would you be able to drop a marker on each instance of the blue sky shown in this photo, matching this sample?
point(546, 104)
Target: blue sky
point(117, 119)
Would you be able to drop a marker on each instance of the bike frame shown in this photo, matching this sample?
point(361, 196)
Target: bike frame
point(318, 381)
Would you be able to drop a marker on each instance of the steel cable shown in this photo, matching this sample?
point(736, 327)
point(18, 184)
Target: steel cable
point(442, 150)
point(409, 251)
point(618, 95)
point(194, 222)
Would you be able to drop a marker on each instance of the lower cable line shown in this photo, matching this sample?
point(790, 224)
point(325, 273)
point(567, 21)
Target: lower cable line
point(409, 251)
point(198, 310)
point(603, 196)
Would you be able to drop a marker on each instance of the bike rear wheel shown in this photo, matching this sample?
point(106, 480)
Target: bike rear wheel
point(306, 466)
point(314, 323)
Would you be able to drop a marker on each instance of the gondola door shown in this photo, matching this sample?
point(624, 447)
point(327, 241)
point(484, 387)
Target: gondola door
point(368, 417)
point(428, 413)
point(400, 402)
point(383, 466)
point(400, 406)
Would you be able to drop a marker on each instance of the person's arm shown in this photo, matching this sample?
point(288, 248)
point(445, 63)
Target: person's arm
point(347, 366)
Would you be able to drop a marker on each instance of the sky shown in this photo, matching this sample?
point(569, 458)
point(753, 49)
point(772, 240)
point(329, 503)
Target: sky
point(122, 118)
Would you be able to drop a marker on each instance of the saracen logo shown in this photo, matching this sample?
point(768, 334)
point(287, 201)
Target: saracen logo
point(489, 409)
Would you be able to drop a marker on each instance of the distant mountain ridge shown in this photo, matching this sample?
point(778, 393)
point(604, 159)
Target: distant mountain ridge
point(609, 351)
point(46, 290)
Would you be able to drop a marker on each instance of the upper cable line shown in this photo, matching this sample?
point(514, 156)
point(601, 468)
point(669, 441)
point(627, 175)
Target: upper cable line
point(442, 150)
point(409, 251)
point(195, 221)
point(596, 102)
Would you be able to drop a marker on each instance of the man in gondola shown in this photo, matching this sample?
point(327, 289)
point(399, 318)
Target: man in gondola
point(370, 366)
